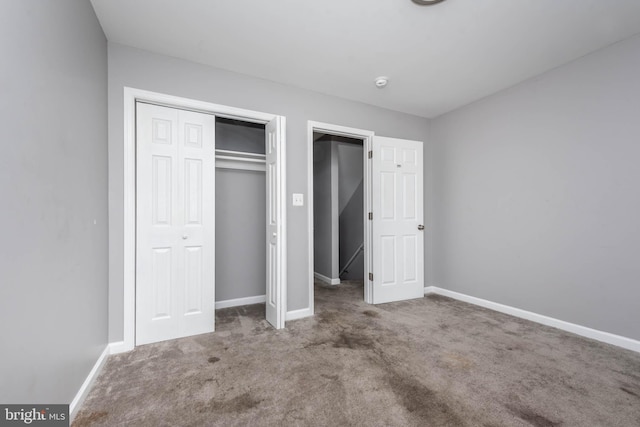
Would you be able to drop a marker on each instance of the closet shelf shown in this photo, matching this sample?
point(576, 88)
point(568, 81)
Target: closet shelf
point(226, 159)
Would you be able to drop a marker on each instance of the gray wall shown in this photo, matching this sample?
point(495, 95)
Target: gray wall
point(149, 71)
point(351, 205)
point(352, 235)
point(323, 230)
point(240, 234)
point(241, 267)
point(538, 199)
point(350, 169)
point(53, 185)
point(236, 135)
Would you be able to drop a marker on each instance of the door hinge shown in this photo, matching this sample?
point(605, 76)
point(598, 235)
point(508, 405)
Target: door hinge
point(371, 154)
point(371, 276)
point(370, 216)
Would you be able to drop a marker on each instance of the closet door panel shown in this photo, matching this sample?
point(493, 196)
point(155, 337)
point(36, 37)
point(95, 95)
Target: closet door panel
point(175, 251)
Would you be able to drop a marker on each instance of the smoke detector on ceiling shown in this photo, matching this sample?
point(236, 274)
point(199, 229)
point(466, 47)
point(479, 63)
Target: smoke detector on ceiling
point(381, 81)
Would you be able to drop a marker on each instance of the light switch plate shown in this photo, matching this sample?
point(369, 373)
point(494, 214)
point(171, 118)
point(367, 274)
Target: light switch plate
point(298, 199)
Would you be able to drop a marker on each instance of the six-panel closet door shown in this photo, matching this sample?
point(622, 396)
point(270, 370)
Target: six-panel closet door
point(275, 237)
point(175, 223)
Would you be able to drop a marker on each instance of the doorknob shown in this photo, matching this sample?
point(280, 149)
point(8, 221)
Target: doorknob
point(421, 227)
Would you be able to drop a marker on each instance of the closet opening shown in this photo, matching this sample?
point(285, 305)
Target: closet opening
point(338, 209)
point(240, 212)
point(170, 233)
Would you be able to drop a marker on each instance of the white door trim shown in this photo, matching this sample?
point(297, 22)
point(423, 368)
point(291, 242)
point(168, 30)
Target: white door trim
point(367, 137)
point(131, 96)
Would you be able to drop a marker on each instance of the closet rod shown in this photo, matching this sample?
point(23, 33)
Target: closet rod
point(240, 159)
point(240, 154)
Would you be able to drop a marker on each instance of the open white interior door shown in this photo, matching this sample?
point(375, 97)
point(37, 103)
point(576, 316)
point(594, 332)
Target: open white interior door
point(175, 196)
point(276, 255)
point(397, 204)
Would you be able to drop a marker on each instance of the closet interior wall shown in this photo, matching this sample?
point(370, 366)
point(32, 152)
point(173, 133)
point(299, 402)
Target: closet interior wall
point(240, 210)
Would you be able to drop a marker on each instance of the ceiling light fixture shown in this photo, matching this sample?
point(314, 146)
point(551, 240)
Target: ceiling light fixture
point(381, 81)
point(427, 2)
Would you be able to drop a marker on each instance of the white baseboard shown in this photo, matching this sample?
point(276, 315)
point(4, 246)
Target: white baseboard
point(298, 314)
point(606, 337)
point(325, 279)
point(119, 347)
point(88, 382)
point(240, 301)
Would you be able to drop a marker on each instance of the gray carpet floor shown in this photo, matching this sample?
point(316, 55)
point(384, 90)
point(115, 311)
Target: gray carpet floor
point(432, 361)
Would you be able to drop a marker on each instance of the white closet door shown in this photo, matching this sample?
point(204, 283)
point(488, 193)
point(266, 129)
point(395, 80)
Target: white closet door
point(398, 240)
point(275, 244)
point(175, 189)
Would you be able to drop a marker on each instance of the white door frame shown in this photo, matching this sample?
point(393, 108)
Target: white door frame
point(367, 138)
point(131, 96)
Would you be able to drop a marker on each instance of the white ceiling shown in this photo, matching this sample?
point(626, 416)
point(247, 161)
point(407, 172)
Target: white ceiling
point(437, 57)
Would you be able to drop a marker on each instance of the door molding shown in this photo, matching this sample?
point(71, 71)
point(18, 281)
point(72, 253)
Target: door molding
point(367, 138)
point(131, 96)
